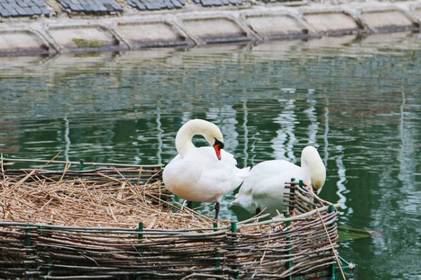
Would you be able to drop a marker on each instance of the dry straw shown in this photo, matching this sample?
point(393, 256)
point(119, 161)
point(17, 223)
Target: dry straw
point(99, 199)
point(117, 222)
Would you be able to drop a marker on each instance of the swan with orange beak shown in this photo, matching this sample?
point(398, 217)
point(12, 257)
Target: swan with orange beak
point(202, 174)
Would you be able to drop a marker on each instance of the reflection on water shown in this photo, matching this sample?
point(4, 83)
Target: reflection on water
point(358, 101)
point(340, 184)
point(285, 138)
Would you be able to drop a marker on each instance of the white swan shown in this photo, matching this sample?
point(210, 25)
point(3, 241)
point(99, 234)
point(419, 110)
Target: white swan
point(202, 174)
point(264, 188)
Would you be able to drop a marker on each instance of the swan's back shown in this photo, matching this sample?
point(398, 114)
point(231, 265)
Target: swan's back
point(265, 186)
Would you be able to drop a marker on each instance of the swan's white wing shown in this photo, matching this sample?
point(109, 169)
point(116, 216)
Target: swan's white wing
point(200, 176)
point(256, 179)
point(262, 171)
point(222, 175)
point(265, 186)
point(180, 173)
point(269, 195)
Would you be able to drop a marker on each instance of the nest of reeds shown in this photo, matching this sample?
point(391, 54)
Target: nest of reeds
point(105, 197)
point(119, 222)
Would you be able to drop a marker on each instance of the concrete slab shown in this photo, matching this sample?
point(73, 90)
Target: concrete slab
point(151, 34)
point(214, 29)
point(275, 26)
point(82, 37)
point(387, 20)
point(21, 41)
point(331, 23)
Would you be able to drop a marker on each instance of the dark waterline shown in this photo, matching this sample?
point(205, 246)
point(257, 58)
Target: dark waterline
point(358, 101)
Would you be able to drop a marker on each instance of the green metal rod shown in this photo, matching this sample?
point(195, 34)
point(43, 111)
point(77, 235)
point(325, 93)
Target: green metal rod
point(140, 228)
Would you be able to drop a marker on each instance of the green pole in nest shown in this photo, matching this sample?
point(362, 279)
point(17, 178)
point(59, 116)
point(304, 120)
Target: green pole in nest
point(41, 232)
point(216, 252)
point(217, 255)
point(301, 183)
point(234, 229)
point(81, 165)
point(27, 242)
point(140, 230)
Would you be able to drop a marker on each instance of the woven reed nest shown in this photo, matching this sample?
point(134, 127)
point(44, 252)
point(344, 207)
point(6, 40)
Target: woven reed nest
point(117, 221)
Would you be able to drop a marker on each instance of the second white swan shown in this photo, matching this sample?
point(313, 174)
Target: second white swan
point(264, 188)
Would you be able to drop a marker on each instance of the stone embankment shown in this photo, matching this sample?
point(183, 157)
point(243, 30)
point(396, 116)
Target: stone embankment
point(48, 27)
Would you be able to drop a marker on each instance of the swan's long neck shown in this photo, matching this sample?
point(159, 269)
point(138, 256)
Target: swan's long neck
point(183, 140)
point(313, 164)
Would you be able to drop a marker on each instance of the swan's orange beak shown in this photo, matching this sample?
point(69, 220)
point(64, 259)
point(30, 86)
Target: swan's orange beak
point(218, 146)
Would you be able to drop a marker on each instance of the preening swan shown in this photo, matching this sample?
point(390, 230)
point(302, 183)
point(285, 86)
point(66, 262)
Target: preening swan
point(264, 188)
point(202, 174)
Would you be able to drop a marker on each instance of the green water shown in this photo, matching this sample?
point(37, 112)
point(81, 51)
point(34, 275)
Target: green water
point(358, 101)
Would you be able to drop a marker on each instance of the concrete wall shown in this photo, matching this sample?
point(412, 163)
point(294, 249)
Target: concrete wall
point(200, 27)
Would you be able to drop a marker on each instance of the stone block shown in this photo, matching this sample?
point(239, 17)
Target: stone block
point(82, 37)
point(272, 26)
point(215, 29)
point(386, 20)
point(21, 41)
point(337, 23)
point(144, 34)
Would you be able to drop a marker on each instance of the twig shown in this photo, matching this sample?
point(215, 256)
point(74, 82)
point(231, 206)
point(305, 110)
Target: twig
point(17, 185)
point(331, 244)
point(2, 166)
point(66, 167)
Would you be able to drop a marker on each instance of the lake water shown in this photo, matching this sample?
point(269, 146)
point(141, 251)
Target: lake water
point(357, 100)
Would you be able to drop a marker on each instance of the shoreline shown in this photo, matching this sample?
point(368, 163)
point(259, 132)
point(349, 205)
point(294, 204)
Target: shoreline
point(205, 26)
